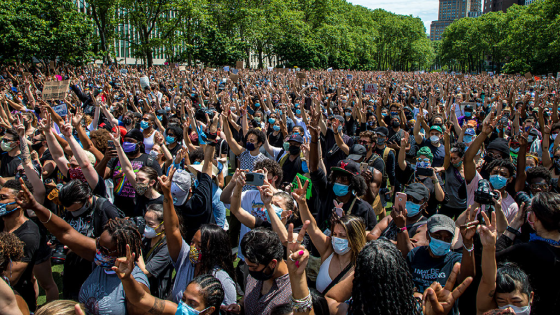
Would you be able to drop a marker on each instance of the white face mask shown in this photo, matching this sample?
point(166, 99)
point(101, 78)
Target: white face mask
point(526, 310)
point(434, 139)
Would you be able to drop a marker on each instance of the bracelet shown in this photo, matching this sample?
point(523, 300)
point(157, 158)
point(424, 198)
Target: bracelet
point(468, 250)
point(513, 231)
point(50, 216)
point(401, 230)
point(303, 305)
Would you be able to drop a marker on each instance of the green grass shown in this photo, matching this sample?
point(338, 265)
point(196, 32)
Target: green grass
point(57, 275)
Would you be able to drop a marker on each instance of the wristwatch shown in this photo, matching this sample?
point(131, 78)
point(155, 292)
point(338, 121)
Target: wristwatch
point(513, 231)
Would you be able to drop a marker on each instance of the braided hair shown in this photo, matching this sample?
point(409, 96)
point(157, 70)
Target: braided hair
point(382, 282)
point(211, 290)
point(11, 249)
point(124, 232)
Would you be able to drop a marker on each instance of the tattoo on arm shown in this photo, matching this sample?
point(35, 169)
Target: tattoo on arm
point(24, 150)
point(165, 199)
point(158, 307)
point(491, 293)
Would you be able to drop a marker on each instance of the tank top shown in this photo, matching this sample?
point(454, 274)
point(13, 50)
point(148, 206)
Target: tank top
point(149, 143)
point(323, 278)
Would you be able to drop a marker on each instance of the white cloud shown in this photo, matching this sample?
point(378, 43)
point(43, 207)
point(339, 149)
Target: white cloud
point(427, 10)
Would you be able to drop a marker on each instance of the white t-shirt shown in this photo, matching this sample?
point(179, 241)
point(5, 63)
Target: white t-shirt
point(252, 203)
point(509, 206)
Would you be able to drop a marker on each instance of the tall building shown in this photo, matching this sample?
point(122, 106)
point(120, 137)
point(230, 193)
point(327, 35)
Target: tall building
point(502, 5)
point(451, 10)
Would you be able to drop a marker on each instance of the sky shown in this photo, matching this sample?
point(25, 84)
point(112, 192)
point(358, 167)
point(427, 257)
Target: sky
point(427, 10)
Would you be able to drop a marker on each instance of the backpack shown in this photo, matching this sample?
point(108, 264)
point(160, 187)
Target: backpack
point(284, 158)
point(385, 155)
point(96, 215)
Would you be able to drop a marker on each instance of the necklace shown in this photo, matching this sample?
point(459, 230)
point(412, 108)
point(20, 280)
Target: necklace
point(534, 237)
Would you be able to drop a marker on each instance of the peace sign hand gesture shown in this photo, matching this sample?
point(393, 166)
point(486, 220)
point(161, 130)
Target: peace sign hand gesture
point(297, 254)
point(440, 301)
point(488, 233)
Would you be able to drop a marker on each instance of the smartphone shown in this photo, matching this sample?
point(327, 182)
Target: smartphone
point(254, 179)
point(425, 171)
point(363, 167)
point(111, 145)
point(400, 201)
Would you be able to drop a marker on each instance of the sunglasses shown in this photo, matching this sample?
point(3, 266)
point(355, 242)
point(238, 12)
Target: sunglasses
point(104, 250)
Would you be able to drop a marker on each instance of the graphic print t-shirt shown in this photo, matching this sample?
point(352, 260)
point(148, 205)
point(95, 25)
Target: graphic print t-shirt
point(425, 269)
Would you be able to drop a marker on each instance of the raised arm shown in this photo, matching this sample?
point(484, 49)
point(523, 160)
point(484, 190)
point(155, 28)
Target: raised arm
point(486, 289)
point(127, 168)
point(82, 245)
point(402, 152)
point(470, 166)
point(447, 143)
point(170, 219)
point(89, 172)
point(233, 145)
point(55, 148)
point(237, 182)
point(338, 137)
point(39, 191)
point(417, 137)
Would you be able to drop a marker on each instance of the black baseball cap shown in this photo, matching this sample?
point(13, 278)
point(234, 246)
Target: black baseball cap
point(383, 131)
point(347, 166)
point(357, 151)
point(417, 191)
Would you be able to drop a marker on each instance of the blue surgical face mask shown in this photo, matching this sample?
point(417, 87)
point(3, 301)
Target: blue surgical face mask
point(467, 138)
point(167, 109)
point(271, 120)
point(298, 111)
point(412, 209)
point(160, 117)
point(516, 150)
point(276, 128)
point(144, 124)
point(439, 248)
point(498, 181)
point(340, 245)
point(185, 309)
point(468, 114)
point(257, 105)
point(527, 168)
point(3, 210)
point(169, 139)
point(347, 114)
point(340, 190)
point(278, 211)
point(129, 147)
point(304, 167)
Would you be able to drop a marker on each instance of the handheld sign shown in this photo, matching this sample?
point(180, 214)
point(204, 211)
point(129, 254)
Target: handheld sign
point(370, 88)
point(239, 64)
point(61, 110)
point(144, 82)
point(226, 68)
point(55, 90)
point(349, 77)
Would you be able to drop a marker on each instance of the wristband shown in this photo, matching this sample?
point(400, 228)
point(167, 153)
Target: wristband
point(468, 250)
point(513, 231)
point(401, 230)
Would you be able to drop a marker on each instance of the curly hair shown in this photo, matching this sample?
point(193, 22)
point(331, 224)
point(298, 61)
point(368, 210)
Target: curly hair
point(211, 290)
point(11, 249)
point(368, 134)
point(272, 167)
point(124, 232)
point(357, 183)
point(502, 163)
point(261, 138)
point(197, 154)
point(100, 139)
point(215, 250)
point(261, 246)
point(382, 282)
point(538, 172)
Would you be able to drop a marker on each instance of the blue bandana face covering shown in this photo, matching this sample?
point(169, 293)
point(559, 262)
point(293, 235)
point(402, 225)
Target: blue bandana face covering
point(4, 211)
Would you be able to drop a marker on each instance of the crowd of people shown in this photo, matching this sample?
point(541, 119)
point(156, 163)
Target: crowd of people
point(174, 190)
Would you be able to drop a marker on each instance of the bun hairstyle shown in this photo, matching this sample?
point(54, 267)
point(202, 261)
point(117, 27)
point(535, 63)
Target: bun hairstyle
point(459, 148)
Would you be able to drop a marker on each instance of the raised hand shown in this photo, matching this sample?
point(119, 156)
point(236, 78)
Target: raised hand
point(300, 193)
point(158, 138)
point(468, 230)
point(399, 216)
point(77, 119)
point(25, 198)
point(67, 127)
point(124, 265)
point(165, 181)
point(298, 256)
point(440, 301)
point(488, 233)
point(19, 126)
point(266, 193)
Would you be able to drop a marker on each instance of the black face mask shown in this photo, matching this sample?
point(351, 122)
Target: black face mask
point(37, 146)
point(396, 124)
point(127, 121)
point(260, 275)
point(294, 150)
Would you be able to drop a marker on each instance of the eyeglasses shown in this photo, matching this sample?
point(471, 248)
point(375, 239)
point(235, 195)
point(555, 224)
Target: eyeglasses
point(539, 186)
point(104, 250)
point(363, 142)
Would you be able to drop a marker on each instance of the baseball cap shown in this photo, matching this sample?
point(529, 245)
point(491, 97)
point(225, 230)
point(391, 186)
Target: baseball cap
point(417, 191)
point(436, 128)
point(470, 132)
point(198, 168)
point(347, 166)
point(357, 151)
point(382, 130)
point(440, 222)
point(180, 186)
point(296, 138)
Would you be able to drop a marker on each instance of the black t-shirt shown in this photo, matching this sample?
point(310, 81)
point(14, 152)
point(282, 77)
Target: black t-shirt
point(175, 149)
point(291, 168)
point(355, 206)
point(9, 165)
point(159, 264)
point(142, 204)
point(331, 152)
point(540, 262)
point(124, 192)
point(29, 234)
point(408, 176)
point(48, 157)
point(198, 209)
point(276, 141)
